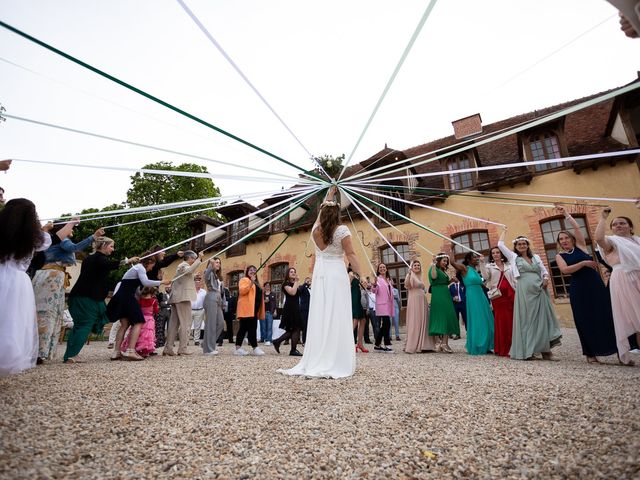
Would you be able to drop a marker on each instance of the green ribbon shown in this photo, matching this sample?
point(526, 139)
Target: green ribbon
point(153, 98)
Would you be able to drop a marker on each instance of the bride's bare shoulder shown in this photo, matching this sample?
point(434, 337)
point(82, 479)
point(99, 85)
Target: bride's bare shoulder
point(317, 237)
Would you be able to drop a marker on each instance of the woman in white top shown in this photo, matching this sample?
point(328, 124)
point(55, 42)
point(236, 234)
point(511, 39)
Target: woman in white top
point(535, 326)
point(197, 310)
point(125, 307)
point(622, 252)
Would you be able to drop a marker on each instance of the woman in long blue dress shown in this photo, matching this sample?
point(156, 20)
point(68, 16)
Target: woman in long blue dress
point(535, 325)
point(479, 315)
point(590, 301)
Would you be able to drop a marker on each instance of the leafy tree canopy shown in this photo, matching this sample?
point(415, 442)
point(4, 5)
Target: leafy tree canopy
point(146, 190)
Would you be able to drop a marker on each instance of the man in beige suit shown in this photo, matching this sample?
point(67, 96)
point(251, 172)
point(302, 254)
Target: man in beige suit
point(183, 292)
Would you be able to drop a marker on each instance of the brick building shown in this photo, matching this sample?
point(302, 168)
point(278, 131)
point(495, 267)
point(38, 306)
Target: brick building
point(609, 126)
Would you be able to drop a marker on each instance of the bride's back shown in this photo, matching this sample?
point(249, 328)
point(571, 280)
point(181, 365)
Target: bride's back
point(334, 247)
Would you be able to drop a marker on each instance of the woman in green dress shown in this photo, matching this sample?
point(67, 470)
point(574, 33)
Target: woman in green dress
point(535, 326)
point(357, 312)
point(443, 320)
point(479, 314)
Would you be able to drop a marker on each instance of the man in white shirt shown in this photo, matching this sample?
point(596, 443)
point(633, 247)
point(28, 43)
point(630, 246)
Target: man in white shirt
point(375, 324)
point(197, 311)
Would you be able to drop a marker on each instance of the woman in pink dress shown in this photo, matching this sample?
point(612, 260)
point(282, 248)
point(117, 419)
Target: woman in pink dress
point(384, 308)
point(418, 339)
point(622, 252)
point(146, 344)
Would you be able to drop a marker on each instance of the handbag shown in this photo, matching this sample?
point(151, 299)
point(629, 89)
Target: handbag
point(495, 291)
point(364, 299)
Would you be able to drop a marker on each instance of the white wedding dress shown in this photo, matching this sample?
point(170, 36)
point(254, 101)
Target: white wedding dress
point(18, 324)
point(330, 349)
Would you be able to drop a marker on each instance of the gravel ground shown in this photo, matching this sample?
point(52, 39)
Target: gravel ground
point(401, 416)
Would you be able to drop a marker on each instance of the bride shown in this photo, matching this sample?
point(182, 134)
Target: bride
point(329, 351)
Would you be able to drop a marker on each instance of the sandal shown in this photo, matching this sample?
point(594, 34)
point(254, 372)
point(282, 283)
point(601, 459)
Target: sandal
point(630, 363)
point(592, 360)
point(74, 360)
point(447, 349)
point(131, 354)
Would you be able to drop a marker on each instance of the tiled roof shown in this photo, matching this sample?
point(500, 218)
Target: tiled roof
point(584, 133)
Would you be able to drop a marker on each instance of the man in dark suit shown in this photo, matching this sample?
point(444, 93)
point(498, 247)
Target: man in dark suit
point(459, 297)
point(304, 294)
point(230, 302)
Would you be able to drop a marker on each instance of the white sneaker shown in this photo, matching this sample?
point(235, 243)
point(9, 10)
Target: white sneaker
point(267, 344)
point(241, 352)
point(257, 352)
point(211, 354)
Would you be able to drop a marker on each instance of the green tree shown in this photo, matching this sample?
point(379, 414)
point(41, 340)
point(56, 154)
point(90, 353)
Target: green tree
point(88, 227)
point(147, 189)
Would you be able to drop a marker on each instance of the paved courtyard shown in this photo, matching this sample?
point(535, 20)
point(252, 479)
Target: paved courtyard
point(401, 416)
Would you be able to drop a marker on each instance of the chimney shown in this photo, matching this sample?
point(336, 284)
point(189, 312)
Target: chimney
point(467, 126)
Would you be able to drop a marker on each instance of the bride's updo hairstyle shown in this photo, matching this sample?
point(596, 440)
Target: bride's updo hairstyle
point(329, 220)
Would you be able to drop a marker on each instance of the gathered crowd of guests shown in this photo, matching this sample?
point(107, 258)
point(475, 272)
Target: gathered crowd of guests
point(503, 303)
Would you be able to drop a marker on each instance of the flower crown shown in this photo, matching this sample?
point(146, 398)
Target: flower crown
point(329, 203)
point(442, 255)
point(518, 239)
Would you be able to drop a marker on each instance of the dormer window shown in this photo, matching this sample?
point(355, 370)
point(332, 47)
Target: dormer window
point(544, 146)
point(236, 231)
point(459, 181)
point(281, 224)
point(394, 206)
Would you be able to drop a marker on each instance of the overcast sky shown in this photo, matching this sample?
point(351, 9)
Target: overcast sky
point(322, 65)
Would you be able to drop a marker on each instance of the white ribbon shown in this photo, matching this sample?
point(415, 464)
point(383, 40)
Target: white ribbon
point(476, 143)
point(430, 230)
point(143, 145)
point(175, 173)
point(572, 197)
point(364, 250)
point(519, 164)
point(233, 64)
point(361, 190)
point(403, 57)
point(186, 203)
point(391, 225)
point(288, 209)
point(234, 221)
point(353, 200)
